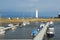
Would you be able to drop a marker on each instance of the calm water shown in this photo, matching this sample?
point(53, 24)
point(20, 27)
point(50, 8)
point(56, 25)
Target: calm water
point(25, 32)
point(20, 33)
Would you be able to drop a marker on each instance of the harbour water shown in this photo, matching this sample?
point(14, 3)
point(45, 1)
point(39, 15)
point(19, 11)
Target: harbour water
point(25, 32)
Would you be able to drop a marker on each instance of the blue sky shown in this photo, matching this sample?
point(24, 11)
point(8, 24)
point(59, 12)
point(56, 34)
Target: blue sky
point(30, 6)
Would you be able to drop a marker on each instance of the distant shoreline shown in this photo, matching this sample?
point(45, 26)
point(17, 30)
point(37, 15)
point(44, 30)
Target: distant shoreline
point(15, 20)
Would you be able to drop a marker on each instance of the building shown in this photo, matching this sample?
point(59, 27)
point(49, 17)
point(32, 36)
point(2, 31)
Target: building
point(59, 15)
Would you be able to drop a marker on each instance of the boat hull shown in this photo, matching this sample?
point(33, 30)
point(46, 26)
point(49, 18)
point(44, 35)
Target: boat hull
point(50, 35)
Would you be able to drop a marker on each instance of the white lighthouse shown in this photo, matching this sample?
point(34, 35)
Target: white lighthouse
point(36, 13)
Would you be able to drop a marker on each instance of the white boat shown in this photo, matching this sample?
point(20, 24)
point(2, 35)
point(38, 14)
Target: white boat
point(28, 23)
point(2, 32)
point(24, 24)
point(51, 22)
point(16, 25)
point(13, 27)
point(50, 32)
point(10, 24)
point(40, 27)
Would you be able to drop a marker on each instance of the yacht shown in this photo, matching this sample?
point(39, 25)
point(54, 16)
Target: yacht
point(50, 32)
point(40, 27)
point(2, 31)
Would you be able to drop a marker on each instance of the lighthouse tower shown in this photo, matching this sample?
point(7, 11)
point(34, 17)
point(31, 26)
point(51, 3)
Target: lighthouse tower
point(36, 13)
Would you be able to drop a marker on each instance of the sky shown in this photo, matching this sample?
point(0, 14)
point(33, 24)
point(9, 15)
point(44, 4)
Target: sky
point(44, 6)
